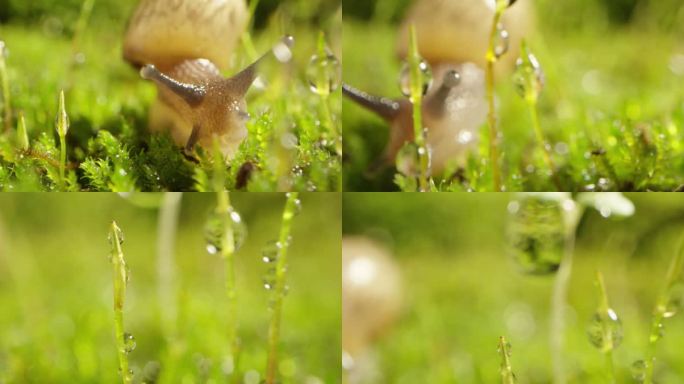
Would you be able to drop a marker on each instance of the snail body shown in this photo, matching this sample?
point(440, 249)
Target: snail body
point(183, 46)
point(452, 37)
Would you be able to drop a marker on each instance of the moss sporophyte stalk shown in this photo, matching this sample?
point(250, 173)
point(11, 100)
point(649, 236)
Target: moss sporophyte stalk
point(507, 375)
point(498, 46)
point(276, 281)
point(605, 328)
point(667, 305)
point(418, 85)
point(225, 233)
point(125, 342)
point(62, 125)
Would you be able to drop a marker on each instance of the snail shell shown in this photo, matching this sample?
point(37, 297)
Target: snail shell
point(457, 31)
point(371, 293)
point(167, 32)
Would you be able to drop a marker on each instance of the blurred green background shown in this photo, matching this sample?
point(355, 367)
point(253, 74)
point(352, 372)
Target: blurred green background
point(613, 70)
point(57, 322)
point(462, 290)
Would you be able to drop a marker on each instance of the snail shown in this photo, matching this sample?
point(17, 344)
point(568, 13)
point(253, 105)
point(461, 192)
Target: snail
point(452, 36)
point(183, 46)
point(371, 302)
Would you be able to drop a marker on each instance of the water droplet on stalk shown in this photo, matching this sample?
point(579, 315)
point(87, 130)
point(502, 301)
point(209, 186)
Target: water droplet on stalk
point(129, 342)
point(507, 349)
point(269, 283)
point(405, 78)
point(501, 41)
point(408, 159)
point(118, 233)
point(215, 230)
point(605, 330)
point(536, 233)
point(639, 368)
point(323, 73)
point(676, 299)
point(529, 76)
point(270, 252)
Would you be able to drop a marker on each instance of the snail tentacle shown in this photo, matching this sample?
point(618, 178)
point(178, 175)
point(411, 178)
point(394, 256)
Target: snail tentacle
point(437, 102)
point(192, 94)
point(281, 51)
point(384, 107)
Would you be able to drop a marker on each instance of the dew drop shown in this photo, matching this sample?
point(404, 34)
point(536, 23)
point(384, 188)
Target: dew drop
point(501, 41)
point(323, 73)
point(507, 349)
point(536, 233)
point(118, 233)
point(269, 283)
point(215, 230)
point(408, 159)
point(405, 78)
point(658, 334)
point(676, 299)
point(297, 210)
point(605, 330)
point(270, 252)
point(528, 78)
point(639, 368)
point(129, 343)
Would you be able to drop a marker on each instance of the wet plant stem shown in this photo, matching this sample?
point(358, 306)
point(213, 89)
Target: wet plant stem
point(660, 312)
point(224, 208)
point(507, 376)
point(534, 116)
point(607, 335)
point(560, 293)
point(323, 89)
point(7, 107)
point(416, 98)
point(62, 129)
point(493, 131)
point(120, 281)
point(279, 286)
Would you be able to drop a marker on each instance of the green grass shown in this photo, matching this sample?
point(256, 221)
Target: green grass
point(463, 290)
point(108, 145)
point(611, 107)
point(57, 322)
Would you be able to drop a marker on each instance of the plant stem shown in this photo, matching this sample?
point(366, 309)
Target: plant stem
point(534, 115)
point(416, 98)
point(507, 376)
point(604, 308)
point(5, 89)
point(323, 86)
point(559, 295)
point(489, 74)
point(227, 253)
point(279, 286)
point(62, 129)
point(120, 281)
point(674, 273)
point(167, 225)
